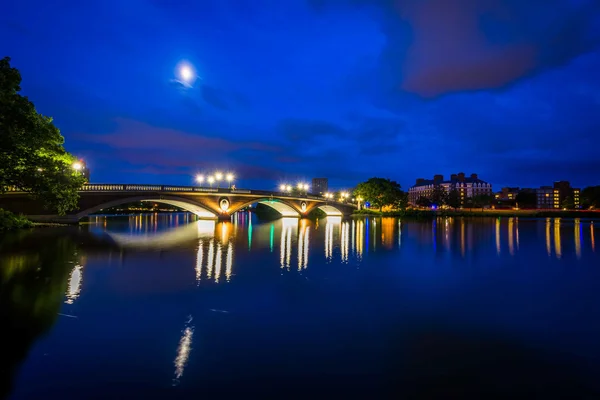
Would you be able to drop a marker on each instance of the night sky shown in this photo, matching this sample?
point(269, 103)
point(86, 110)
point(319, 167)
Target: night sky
point(294, 89)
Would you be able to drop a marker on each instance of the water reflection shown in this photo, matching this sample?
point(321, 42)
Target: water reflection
point(577, 235)
point(344, 241)
point(219, 255)
point(34, 270)
point(303, 244)
point(511, 243)
point(557, 241)
point(74, 285)
point(548, 242)
point(592, 237)
point(285, 256)
point(183, 350)
point(197, 259)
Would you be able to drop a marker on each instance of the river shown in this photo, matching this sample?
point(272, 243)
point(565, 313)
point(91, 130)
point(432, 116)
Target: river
point(164, 306)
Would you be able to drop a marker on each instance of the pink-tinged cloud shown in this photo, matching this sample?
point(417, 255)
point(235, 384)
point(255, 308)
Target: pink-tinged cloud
point(449, 51)
point(138, 135)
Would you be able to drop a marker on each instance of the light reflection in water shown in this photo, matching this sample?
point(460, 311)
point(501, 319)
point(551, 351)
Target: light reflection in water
point(183, 350)
point(74, 285)
point(345, 241)
point(462, 237)
point(360, 239)
point(577, 234)
point(353, 238)
point(548, 242)
point(557, 242)
point(210, 260)
point(511, 239)
point(387, 232)
point(517, 231)
point(399, 233)
point(218, 263)
point(592, 237)
point(199, 257)
point(328, 239)
point(303, 246)
point(498, 236)
point(329, 226)
point(287, 224)
point(229, 263)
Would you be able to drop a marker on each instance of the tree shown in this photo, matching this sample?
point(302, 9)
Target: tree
point(423, 201)
point(439, 195)
point(401, 202)
point(482, 200)
point(568, 203)
point(32, 156)
point(379, 192)
point(590, 197)
point(526, 199)
point(454, 199)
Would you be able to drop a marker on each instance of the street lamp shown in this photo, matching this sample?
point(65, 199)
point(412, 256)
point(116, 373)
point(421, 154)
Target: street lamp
point(200, 178)
point(288, 188)
point(306, 187)
point(229, 178)
point(77, 166)
point(218, 178)
point(282, 187)
point(211, 180)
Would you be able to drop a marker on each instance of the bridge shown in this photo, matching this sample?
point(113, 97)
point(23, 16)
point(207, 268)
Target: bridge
point(206, 203)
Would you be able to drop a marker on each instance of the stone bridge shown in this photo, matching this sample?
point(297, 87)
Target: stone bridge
point(206, 203)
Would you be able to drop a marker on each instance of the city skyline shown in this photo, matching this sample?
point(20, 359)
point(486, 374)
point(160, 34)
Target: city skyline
point(150, 92)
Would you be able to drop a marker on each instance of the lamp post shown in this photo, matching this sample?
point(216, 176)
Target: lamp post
point(229, 179)
point(200, 179)
point(218, 178)
point(211, 180)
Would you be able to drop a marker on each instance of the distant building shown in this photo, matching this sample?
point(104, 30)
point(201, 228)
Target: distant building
point(466, 186)
point(507, 193)
point(319, 185)
point(86, 172)
point(553, 197)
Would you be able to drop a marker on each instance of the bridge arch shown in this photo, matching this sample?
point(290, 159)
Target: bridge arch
point(196, 208)
point(330, 210)
point(286, 209)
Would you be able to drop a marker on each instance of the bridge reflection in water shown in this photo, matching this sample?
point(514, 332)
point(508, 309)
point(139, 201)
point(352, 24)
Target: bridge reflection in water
point(345, 241)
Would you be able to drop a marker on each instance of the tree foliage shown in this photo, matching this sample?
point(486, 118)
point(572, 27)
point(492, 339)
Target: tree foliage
point(590, 197)
point(32, 156)
point(423, 201)
point(526, 199)
point(453, 199)
point(380, 192)
point(439, 195)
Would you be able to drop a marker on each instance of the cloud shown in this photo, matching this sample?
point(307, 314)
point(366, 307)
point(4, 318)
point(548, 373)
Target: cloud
point(137, 135)
point(437, 47)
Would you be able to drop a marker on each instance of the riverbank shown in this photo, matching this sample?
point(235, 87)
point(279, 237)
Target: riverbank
point(10, 221)
point(421, 214)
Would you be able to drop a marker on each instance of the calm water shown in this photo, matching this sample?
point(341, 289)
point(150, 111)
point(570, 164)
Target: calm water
point(169, 307)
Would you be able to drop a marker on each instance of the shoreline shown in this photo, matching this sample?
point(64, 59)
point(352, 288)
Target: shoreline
point(482, 214)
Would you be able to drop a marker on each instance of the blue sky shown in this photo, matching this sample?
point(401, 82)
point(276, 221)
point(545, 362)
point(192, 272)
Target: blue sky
point(345, 89)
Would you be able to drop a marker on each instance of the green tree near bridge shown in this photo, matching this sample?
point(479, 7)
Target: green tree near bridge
point(32, 156)
point(381, 192)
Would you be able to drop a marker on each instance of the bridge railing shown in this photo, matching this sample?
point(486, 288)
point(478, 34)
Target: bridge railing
point(110, 187)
